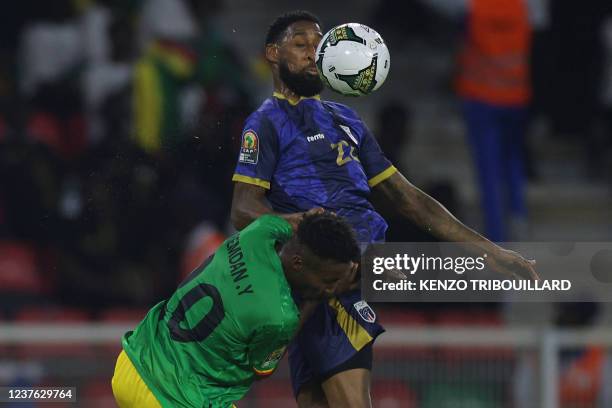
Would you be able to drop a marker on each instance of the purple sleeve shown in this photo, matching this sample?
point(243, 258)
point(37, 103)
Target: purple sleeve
point(258, 152)
point(377, 167)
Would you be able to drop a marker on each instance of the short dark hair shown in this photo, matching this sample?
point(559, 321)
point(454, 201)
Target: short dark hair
point(282, 22)
point(329, 236)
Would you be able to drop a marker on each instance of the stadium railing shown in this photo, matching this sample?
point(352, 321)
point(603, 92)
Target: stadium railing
point(415, 366)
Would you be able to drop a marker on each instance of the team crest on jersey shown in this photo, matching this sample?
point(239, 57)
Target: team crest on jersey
point(249, 149)
point(273, 358)
point(348, 132)
point(365, 311)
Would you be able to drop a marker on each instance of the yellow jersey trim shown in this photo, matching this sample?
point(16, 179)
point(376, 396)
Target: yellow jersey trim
point(281, 96)
point(382, 176)
point(356, 333)
point(263, 372)
point(251, 180)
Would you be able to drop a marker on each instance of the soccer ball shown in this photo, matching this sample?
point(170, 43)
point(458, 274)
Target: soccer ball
point(353, 59)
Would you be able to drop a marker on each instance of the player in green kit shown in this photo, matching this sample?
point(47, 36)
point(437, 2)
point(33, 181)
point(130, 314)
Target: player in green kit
point(230, 321)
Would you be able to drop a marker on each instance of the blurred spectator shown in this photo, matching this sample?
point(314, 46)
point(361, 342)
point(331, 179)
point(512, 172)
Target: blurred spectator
point(106, 81)
point(493, 81)
point(168, 19)
point(578, 53)
point(108, 184)
point(577, 80)
point(114, 242)
point(584, 374)
point(182, 71)
point(160, 77)
point(30, 179)
point(601, 148)
point(51, 55)
point(191, 96)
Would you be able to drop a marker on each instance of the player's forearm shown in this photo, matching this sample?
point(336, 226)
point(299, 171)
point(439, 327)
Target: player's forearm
point(429, 215)
point(433, 217)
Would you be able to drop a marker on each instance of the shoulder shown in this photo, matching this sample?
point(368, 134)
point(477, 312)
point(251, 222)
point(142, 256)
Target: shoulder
point(341, 110)
point(275, 316)
point(264, 113)
point(268, 106)
point(272, 308)
point(348, 118)
point(270, 222)
point(346, 115)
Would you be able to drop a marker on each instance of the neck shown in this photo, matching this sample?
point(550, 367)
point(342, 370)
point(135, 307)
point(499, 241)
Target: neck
point(281, 88)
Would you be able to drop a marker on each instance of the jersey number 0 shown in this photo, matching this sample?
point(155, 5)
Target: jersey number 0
point(209, 322)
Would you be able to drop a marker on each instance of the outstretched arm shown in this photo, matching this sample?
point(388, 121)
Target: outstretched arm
point(433, 217)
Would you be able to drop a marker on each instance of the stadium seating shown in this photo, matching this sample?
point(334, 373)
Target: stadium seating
point(18, 269)
point(273, 393)
point(393, 394)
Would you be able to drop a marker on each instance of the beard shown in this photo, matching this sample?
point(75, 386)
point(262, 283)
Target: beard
point(301, 83)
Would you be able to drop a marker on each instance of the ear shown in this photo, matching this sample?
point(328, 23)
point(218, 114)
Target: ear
point(298, 262)
point(272, 51)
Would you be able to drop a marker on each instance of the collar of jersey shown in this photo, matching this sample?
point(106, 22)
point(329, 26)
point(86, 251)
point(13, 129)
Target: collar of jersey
point(281, 96)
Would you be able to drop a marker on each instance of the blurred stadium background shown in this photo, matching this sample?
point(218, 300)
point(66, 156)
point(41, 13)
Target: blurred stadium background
point(119, 127)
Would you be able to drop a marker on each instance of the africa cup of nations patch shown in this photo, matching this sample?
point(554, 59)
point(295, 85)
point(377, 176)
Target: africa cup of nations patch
point(249, 148)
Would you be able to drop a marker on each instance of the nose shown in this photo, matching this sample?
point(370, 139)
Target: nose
point(312, 50)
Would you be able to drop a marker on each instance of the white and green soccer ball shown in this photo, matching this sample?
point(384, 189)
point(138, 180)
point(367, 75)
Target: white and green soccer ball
point(353, 59)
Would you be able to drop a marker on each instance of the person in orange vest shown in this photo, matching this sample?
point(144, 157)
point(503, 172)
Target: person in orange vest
point(493, 82)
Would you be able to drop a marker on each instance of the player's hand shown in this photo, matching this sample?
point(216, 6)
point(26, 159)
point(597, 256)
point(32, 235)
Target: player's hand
point(316, 210)
point(513, 264)
point(295, 218)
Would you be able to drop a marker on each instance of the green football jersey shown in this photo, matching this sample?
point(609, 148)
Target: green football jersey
point(228, 322)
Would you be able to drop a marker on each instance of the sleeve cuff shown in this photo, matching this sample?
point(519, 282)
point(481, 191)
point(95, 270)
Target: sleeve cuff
point(251, 180)
point(382, 176)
